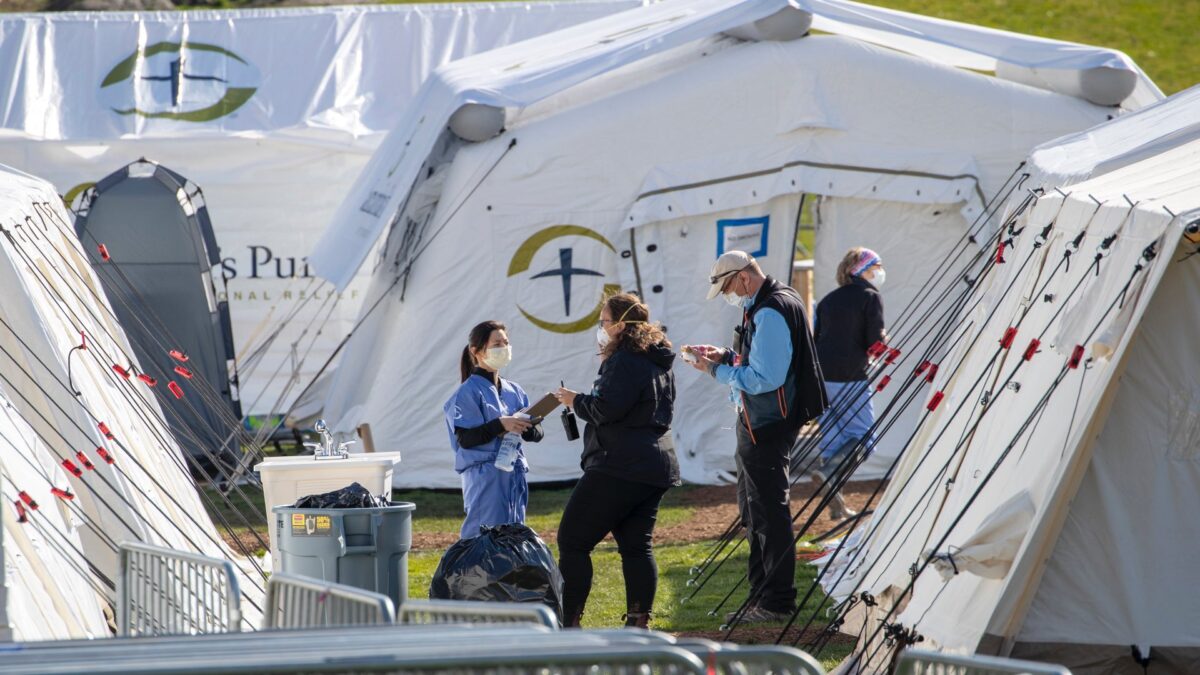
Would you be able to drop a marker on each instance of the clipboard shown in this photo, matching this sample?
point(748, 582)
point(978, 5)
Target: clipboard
point(543, 407)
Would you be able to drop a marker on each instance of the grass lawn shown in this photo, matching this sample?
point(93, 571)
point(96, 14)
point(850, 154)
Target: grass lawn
point(439, 514)
point(607, 600)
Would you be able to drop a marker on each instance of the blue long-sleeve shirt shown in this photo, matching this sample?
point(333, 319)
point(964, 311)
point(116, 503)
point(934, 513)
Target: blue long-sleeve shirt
point(770, 357)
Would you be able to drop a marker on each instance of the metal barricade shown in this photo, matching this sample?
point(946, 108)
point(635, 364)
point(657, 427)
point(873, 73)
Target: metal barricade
point(922, 662)
point(161, 591)
point(489, 652)
point(731, 659)
point(466, 611)
point(300, 602)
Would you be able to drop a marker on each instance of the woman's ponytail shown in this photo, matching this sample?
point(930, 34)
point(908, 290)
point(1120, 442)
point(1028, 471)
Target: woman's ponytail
point(466, 364)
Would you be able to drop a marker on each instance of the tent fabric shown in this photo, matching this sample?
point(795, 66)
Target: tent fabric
point(160, 252)
point(563, 182)
point(51, 295)
point(329, 82)
point(507, 78)
point(1104, 462)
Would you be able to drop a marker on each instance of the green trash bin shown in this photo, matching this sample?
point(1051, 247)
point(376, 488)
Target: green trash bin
point(366, 548)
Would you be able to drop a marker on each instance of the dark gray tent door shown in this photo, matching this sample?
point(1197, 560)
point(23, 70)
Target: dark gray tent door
point(158, 278)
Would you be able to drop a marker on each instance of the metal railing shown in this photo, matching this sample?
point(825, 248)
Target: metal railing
point(161, 591)
point(466, 650)
point(921, 662)
point(730, 659)
point(300, 602)
point(427, 612)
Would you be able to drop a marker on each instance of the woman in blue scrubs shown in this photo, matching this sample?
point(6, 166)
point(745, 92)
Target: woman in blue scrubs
point(479, 414)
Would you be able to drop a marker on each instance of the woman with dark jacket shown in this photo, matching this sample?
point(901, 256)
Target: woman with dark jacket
point(628, 459)
point(847, 322)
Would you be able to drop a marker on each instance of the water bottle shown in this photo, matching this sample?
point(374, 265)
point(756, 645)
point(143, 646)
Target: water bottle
point(508, 452)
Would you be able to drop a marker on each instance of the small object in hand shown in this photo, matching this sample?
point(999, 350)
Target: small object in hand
point(570, 426)
point(688, 354)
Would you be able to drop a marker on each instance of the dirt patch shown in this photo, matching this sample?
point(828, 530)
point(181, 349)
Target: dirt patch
point(713, 509)
point(767, 635)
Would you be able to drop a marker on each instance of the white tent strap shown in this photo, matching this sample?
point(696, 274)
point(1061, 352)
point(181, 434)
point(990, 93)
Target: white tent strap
point(712, 195)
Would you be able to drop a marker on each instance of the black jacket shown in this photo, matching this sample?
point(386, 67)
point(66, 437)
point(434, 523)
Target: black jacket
point(628, 416)
point(802, 396)
point(849, 321)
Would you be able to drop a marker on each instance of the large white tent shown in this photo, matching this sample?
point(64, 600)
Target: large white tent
point(1057, 516)
point(630, 151)
point(273, 113)
point(63, 410)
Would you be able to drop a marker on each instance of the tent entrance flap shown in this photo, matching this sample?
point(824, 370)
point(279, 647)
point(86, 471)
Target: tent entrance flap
point(156, 266)
point(840, 169)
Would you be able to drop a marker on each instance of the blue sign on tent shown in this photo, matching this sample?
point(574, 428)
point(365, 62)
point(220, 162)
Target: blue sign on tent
point(743, 234)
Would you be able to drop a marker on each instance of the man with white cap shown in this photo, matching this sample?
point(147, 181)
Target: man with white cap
point(776, 382)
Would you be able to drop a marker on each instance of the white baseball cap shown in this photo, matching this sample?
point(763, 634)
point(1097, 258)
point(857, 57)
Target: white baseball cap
point(729, 264)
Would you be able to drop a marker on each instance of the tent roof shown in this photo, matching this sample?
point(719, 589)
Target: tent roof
point(1122, 141)
point(524, 73)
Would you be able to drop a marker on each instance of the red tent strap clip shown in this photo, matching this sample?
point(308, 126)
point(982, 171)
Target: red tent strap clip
point(876, 349)
point(22, 517)
point(103, 250)
point(179, 356)
point(150, 381)
point(1000, 254)
point(892, 355)
point(83, 459)
point(935, 401)
point(1076, 357)
point(183, 372)
point(83, 340)
point(70, 466)
point(120, 371)
point(883, 382)
point(922, 368)
point(106, 456)
point(1010, 334)
point(104, 430)
point(1032, 348)
point(175, 389)
point(933, 368)
point(28, 500)
point(65, 495)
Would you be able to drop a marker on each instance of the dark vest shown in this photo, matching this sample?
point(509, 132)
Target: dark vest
point(802, 396)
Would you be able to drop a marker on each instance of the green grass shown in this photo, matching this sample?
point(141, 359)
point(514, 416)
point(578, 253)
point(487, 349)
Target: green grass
point(1159, 35)
point(607, 600)
point(442, 511)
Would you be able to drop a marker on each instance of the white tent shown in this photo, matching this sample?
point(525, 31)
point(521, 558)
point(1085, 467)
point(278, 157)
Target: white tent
point(636, 148)
point(1061, 522)
point(62, 410)
point(273, 114)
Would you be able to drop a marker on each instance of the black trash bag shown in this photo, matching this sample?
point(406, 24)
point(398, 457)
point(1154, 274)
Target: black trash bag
point(353, 496)
point(507, 563)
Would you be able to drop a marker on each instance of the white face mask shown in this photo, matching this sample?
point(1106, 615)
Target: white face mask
point(733, 299)
point(498, 357)
point(602, 337)
point(880, 275)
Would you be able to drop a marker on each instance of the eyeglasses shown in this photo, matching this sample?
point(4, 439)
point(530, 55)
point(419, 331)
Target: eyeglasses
point(722, 275)
point(603, 321)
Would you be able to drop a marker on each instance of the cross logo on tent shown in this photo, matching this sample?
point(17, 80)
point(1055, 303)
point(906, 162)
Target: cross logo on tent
point(185, 81)
point(566, 271)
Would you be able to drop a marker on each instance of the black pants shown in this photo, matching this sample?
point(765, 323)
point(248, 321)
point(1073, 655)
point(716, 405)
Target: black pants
point(600, 504)
point(763, 504)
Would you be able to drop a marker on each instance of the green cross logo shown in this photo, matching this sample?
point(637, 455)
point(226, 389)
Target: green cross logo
point(190, 82)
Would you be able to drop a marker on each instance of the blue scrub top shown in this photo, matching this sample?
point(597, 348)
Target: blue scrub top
point(475, 403)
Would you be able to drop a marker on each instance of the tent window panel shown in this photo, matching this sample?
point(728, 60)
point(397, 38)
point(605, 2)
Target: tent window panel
point(1183, 424)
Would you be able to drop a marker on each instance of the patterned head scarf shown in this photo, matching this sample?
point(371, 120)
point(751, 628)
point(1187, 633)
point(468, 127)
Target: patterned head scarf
point(865, 260)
